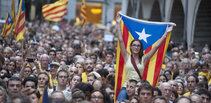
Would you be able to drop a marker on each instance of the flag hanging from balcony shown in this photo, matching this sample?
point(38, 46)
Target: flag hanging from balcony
point(7, 26)
point(55, 11)
point(148, 33)
point(19, 26)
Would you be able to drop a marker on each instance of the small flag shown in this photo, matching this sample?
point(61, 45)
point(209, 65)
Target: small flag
point(55, 11)
point(7, 26)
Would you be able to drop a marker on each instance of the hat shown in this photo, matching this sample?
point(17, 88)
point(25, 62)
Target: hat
point(54, 64)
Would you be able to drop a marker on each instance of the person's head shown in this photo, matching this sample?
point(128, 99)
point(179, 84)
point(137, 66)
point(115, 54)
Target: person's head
point(14, 85)
point(145, 93)
point(110, 91)
point(131, 87)
point(52, 54)
point(195, 98)
point(166, 90)
point(20, 98)
point(30, 82)
point(202, 78)
point(34, 96)
point(168, 74)
point(27, 70)
point(97, 84)
point(205, 95)
point(136, 47)
point(109, 57)
point(97, 97)
point(162, 79)
point(111, 70)
point(8, 52)
point(57, 97)
point(43, 79)
point(89, 65)
point(94, 57)
point(73, 71)
point(173, 84)
point(3, 95)
point(62, 77)
point(70, 53)
point(77, 96)
point(192, 81)
point(44, 60)
point(103, 73)
point(134, 99)
point(86, 88)
point(54, 66)
point(183, 100)
point(75, 80)
point(181, 88)
point(159, 99)
point(91, 78)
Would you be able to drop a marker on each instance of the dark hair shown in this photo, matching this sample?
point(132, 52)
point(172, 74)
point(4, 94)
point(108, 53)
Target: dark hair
point(164, 77)
point(202, 84)
point(204, 91)
point(103, 72)
point(193, 75)
point(159, 97)
point(86, 88)
point(77, 93)
point(62, 70)
point(141, 49)
point(109, 52)
point(33, 79)
point(145, 86)
point(133, 80)
point(14, 78)
point(182, 97)
point(106, 97)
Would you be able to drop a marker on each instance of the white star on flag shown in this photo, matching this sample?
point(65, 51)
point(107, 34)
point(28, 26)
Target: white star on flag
point(143, 35)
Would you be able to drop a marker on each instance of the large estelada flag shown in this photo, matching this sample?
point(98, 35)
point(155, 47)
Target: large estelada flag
point(55, 11)
point(148, 33)
point(19, 26)
point(7, 26)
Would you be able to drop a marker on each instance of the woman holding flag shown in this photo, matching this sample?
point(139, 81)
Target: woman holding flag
point(136, 60)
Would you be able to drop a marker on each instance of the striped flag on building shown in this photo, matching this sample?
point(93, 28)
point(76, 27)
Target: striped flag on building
point(19, 26)
point(55, 11)
point(133, 29)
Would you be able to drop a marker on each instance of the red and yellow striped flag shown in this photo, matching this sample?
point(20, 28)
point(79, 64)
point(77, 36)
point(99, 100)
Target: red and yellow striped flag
point(83, 13)
point(19, 26)
point(148, 33)
point(55, 11)
point(7, 26)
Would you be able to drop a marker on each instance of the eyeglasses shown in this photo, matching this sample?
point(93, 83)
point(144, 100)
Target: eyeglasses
point(136, 45)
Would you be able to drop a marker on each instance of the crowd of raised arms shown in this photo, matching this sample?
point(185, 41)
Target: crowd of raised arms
point(76, 65)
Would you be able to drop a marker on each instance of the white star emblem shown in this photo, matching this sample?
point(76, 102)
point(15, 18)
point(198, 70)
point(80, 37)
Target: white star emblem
point(143, 35)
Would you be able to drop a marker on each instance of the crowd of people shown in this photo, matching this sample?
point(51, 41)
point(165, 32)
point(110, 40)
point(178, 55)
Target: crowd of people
point(74, 64)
